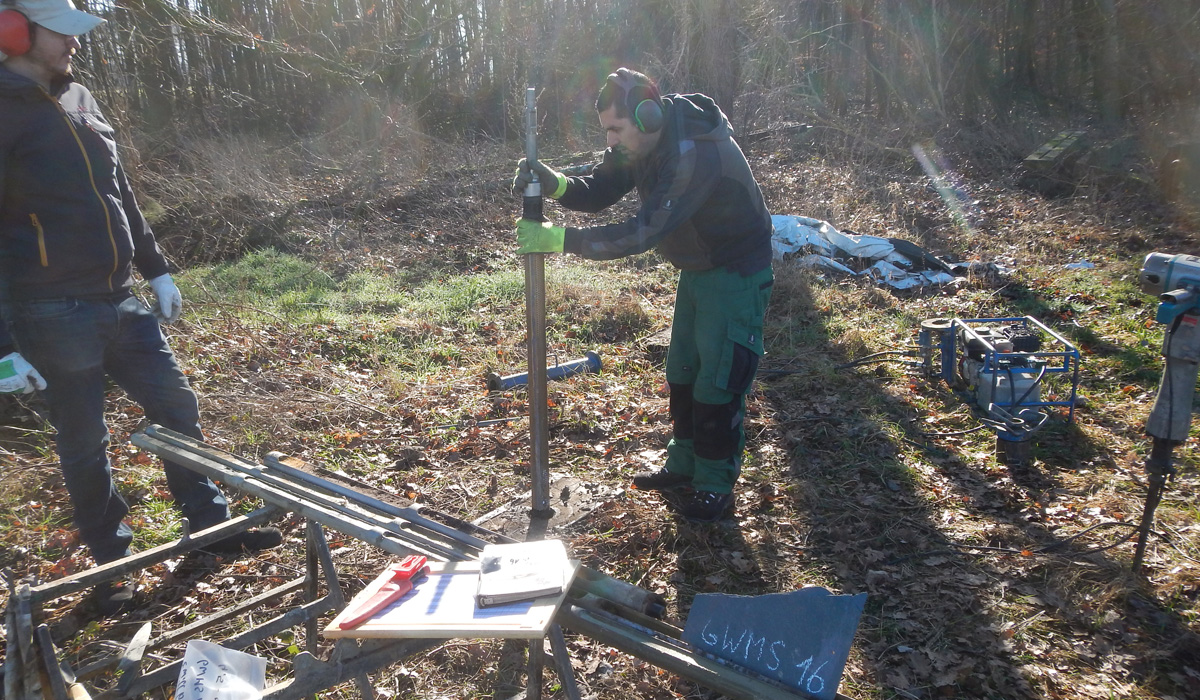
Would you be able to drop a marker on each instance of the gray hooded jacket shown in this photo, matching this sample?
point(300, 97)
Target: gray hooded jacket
point(700, 205)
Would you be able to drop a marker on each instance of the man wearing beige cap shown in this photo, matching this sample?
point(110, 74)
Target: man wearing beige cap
point(71, 234)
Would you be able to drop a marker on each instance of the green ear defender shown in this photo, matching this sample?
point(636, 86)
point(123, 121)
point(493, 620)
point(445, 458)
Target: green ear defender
point(641, 101)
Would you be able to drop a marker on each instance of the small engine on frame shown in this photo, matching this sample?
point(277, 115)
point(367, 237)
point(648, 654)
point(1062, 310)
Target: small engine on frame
point(1014, 370)
point(1010, 380)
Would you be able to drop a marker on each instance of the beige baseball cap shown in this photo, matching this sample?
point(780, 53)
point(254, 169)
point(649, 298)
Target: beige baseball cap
point(58, 16)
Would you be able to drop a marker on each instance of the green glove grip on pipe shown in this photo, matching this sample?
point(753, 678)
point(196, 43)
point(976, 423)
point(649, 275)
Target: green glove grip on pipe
point(539, 237)
point(554, 183)
point(560, 185)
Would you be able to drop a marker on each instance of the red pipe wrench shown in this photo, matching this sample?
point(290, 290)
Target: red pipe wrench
point(400, 580)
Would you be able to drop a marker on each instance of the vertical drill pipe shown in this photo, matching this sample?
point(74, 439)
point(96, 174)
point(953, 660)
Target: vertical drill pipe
point(535, 323)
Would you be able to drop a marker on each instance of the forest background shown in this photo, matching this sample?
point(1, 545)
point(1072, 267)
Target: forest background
point(458, 67)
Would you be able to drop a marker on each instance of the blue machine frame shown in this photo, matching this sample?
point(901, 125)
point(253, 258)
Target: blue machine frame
point(1065, 359)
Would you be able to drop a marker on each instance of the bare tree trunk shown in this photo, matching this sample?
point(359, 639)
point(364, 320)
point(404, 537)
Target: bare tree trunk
point(877, 79)
point(712, 49)
point(1023, 34)
point(1105, 77)
point(158, 65)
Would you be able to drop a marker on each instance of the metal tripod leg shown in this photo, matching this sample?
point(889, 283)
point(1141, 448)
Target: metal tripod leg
point(317, 552)
point(562, 662)
point(535, 665)
point(533, 677)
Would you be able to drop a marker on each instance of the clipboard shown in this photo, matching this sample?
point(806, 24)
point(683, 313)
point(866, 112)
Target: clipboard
point(442, 606)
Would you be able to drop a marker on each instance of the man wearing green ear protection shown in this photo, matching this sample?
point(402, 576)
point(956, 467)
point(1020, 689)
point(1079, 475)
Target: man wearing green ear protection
point(702, 210)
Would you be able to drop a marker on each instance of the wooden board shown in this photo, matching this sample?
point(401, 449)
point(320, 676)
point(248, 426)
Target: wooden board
point(1054, 149)
point(442, 606)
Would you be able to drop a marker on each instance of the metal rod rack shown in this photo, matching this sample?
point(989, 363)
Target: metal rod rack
point(608, 610)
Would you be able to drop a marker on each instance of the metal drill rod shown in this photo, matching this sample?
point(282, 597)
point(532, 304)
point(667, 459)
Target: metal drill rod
point(335, 497)
point(234, 471)
point(277, 461)
point(218, 465)
point(134, 685)
point(87, 578)
point(445, 523)
point(363, 509)
point(609, 610)
point(535, 323)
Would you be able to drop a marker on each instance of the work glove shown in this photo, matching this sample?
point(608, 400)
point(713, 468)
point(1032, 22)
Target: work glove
point(170, 301)
point(539, 237)
point(17, 376)
point(553, 182)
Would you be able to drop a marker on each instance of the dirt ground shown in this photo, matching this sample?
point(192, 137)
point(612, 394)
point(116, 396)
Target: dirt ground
point(984, 580)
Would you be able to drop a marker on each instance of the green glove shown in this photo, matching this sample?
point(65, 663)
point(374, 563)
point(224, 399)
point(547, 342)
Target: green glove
point(553, 182)
point(539, 237)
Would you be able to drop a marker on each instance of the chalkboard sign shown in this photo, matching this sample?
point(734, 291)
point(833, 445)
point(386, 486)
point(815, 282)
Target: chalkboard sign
point(801, 638)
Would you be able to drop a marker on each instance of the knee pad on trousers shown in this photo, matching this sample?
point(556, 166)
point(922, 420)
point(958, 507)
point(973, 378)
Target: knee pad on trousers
point(682, 417)
point(718, 429)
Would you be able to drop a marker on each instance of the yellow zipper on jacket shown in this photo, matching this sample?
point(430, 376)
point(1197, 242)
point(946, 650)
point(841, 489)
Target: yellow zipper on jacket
point(41, 236)
point(92, 179)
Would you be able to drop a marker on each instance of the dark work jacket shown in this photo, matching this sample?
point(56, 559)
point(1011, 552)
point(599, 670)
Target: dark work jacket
point(700, 205)
point(69, 223)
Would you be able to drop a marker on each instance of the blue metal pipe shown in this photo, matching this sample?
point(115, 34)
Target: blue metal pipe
point(590, 363)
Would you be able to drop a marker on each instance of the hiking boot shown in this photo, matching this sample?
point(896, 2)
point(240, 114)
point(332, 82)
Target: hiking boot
point(661, 480)
point(253, 540)
point(706, 506)
point(113, 597)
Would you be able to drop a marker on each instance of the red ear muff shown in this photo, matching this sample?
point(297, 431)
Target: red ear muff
point(14, 33)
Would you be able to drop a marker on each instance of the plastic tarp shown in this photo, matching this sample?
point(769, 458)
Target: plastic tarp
point(818, 244)
point(793, 233)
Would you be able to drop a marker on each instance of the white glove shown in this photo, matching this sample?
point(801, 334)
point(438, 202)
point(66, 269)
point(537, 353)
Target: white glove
point(18, 376)
point(170, 302)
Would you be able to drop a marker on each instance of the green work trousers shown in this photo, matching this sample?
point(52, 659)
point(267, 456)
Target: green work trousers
point(716, 341)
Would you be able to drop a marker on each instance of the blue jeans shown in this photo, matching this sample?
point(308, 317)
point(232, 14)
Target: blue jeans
point(74, 344)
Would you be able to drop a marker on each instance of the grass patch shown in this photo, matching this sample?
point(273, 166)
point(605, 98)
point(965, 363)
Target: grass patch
point(369, 320)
